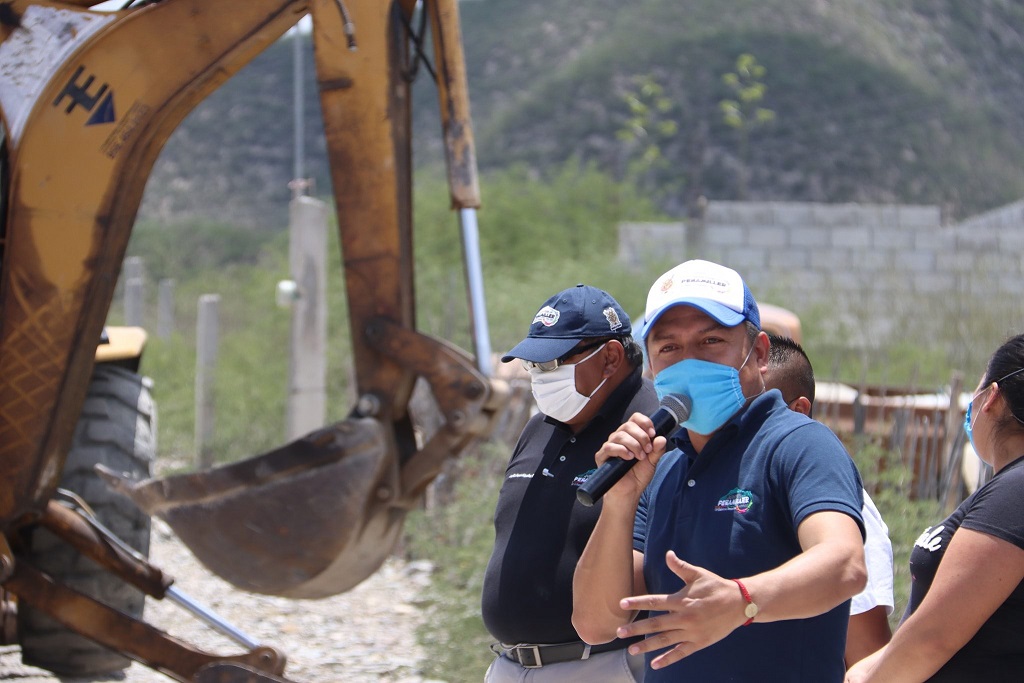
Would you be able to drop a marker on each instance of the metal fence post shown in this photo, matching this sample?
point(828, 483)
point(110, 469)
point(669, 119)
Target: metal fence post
point(307, 370)
point(134, 291)
point(207, 339)
point(165, 309)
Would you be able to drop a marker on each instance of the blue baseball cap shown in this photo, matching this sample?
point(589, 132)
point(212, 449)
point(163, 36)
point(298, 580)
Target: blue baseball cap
point(716, 290)
point(578, 313)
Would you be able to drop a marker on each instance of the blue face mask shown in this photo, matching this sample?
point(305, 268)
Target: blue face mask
point(967, 424)
point(968, 427)
point(713, 388)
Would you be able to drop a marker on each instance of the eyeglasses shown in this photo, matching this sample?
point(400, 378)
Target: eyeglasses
point(549, 365)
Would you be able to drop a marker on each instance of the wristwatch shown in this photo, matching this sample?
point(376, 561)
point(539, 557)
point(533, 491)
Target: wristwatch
point(751, 610)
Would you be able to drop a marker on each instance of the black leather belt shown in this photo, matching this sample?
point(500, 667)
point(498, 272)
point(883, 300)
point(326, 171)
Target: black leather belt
point(534, 656)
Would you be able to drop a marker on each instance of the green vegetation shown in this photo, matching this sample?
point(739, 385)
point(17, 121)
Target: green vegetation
point(887, 480)
point(876, 101)
point(458, 538)
point(743, 111)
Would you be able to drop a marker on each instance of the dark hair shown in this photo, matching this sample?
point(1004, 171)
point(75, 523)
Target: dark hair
point(634, 354)
point(1005, 368)
point(789, 369)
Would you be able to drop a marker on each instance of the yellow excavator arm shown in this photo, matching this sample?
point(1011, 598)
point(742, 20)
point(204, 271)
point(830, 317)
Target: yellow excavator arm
point(87, 101)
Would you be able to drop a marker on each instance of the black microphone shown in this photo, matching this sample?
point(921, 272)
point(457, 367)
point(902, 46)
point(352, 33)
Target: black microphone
point(675, 408)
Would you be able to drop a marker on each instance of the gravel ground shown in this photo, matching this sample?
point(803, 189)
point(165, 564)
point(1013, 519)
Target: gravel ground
point(366, 635)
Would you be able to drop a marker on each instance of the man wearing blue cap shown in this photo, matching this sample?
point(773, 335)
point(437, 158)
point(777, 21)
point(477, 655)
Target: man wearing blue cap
point(741, 533)
point(584, 369)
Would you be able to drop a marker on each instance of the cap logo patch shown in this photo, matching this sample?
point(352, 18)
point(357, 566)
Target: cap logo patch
point(547, 316)
point(666, 285)
point(613, 318)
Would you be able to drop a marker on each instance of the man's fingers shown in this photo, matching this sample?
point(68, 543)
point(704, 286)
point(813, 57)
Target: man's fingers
point(643, 627)
point(685, 571)
point(627, 442)
point(645, 602)
point(658, 641)
point(674, 655)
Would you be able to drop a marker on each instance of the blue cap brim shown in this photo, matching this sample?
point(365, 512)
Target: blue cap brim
point(540, 350)
point(720, 313)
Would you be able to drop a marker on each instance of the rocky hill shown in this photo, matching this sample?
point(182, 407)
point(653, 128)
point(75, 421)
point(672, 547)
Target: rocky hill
point(911, 101)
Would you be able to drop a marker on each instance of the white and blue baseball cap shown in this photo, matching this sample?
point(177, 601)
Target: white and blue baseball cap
point(716, 290)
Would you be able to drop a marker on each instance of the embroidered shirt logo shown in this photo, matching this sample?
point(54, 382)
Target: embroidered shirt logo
point(737, 500)
point(521, 475)
point(547, 316)
point(580, 478)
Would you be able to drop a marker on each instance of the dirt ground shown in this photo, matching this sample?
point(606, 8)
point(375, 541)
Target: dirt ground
point(366, 635)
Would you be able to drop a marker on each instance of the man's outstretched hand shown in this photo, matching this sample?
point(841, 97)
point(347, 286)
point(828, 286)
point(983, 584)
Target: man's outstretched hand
point(706, 610)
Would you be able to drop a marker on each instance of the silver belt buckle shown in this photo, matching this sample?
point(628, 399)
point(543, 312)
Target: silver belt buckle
point(537, 663)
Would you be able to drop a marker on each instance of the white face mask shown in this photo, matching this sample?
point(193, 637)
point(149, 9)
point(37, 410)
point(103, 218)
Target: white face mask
point(555, 391)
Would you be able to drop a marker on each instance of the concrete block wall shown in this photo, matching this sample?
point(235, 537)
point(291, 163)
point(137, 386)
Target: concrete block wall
point(870, 264)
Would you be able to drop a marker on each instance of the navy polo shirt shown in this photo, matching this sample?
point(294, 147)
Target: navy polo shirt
point(540, 529)
point(734, 509)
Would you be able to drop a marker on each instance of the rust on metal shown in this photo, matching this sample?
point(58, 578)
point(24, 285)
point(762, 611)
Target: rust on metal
point(301, 521)
point(124, 634)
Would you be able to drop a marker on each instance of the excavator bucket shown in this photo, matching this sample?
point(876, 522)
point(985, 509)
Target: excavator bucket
point(310, 519)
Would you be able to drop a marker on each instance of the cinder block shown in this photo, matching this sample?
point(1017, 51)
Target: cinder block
point(934, 283)
point(851, 237)
point(745, 260)
point(976, 239)
point(791, 259)
point(768, 236)
point(1011, 238)
point(810, 281)
point(724, 235)
point(918, 261)
point(848, 283)
point(837, 214)
point(723, 212)
point(873, 260)
point(932, 239)
point(888, 214)
point(955, 261)
point(758, 213)
point(920, 216)
point(830, 259)
point(888, 236)
point(793, 214)
point(641, 243)
point(809, 236)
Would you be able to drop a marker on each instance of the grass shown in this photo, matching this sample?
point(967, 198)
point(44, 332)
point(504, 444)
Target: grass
point(458, 538)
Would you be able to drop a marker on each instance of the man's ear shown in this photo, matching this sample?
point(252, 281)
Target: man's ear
point(801, 405)
point(614, 356)
point(761, 348)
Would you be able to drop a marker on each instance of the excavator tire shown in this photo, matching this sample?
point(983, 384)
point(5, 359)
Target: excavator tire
point(117, 428)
